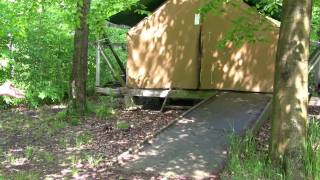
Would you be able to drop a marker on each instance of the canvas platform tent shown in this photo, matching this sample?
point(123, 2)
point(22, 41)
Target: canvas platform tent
point(176, 48)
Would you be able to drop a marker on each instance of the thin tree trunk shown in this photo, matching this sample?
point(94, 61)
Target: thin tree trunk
point(80, 60)
point(289, 118)
point(317, 71)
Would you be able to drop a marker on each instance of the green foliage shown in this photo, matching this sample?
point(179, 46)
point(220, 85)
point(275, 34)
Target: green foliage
point(46, 157)
point(29, 152)
point(102, 10)
point(74, 121)
point(61, 115)
point(122, 125)
point(315, 24)
point(62, 119)
point(93, 161)
point(104, 107)
point(313, 149)
point(246, 28)
point(41, 34)
point(42, 43)
point(270, 8)
point(245, 162)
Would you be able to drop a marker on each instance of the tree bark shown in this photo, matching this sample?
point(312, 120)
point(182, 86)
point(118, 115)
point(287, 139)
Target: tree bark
point(80, 59)
point(289, 117)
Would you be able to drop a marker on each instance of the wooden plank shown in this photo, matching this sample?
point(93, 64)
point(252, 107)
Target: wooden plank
point(148, 93)
point(192, 94)
point(111, 91)
point(264, 116)
point(162, 93)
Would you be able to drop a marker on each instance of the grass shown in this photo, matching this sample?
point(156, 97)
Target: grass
point(104, 108)
point(83, 138)
point(93, 161)
point(62, 120)
point(24, 175)
point(46, 157)
point(75, 160)
point(122, 125)
point(12, 125)
point(63, 142)
point(29, 152)
point(74, 171)
point(246, 162)
point(1, 152)
point(313, 149)
point(10, 158)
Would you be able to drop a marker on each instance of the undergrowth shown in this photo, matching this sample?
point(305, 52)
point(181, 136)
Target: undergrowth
point(247, 162)
point(103, 108)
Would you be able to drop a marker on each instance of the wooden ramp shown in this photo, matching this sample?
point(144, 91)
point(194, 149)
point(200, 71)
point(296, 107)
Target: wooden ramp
point(196, 145)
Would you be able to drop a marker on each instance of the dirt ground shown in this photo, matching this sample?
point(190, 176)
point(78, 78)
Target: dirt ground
point(36, 144)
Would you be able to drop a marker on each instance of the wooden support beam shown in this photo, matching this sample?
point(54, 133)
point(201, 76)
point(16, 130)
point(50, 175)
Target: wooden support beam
point(114, 73)
point(165, 102)
point(110, 91)
point(117, 58)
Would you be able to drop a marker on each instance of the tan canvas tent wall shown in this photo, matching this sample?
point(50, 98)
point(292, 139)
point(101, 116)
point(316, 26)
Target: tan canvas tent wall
point(169, 49)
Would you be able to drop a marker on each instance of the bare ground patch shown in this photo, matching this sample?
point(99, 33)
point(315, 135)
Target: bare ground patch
point(34, 145)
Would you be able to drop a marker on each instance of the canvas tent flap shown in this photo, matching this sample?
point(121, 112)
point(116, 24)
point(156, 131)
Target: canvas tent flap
point(163, 49)
point(171, 49)
point(245, 67)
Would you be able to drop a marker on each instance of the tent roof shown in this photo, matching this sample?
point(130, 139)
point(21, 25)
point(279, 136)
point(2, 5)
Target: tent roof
point(131, 17)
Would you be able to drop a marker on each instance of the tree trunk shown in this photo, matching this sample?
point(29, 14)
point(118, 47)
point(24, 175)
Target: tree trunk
point(317, 71)
point(80, 59)
point(289, 118)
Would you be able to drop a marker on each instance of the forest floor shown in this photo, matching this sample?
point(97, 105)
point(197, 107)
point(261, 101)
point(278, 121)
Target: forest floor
point(37, 144)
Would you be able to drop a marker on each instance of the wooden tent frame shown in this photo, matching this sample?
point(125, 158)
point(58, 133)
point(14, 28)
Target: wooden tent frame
point(123, 90)
point(314, 61)
point(100, 53)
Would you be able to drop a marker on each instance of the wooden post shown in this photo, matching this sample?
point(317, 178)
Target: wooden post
point(98, 59)
point(165, 102)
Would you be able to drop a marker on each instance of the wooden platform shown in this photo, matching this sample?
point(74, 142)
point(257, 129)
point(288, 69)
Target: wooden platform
point(196, 145)
point(162, 93)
